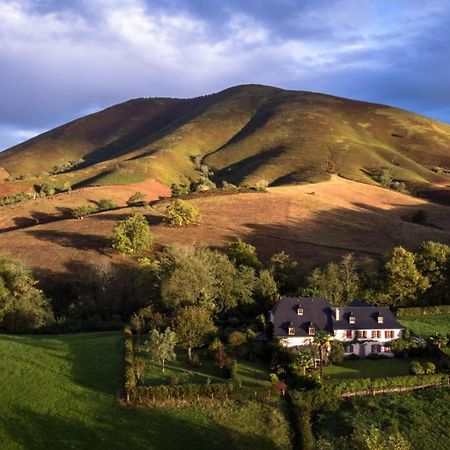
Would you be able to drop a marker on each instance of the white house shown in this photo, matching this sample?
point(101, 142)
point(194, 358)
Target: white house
point(364, 329)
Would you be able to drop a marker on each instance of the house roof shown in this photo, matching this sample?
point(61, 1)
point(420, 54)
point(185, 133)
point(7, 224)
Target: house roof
point(366, 317)
point(316, 313)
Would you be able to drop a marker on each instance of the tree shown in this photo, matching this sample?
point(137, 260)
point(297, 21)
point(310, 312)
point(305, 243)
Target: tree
point(403, 280)
point(193, 324)
point(266, 291)
point(303, 361)
point(180, 213)
point(161, 346)
point(321, 340)
point(139, 368)
point(23, 307)
point(285, 271)
point(433, 261)
point(203, 277)
point(337, 282)
point(243, 254)
point(337, 352)
point(236, 339)
point(132, 235)
point(136, 199)
point(179, 189)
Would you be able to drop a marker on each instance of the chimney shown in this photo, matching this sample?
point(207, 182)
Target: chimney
point(337, 313)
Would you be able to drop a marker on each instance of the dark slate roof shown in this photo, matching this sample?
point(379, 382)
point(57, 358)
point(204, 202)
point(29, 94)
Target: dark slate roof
point(366, 317)
point(316, 311)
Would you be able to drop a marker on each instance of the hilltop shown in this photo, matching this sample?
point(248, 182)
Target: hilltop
point(247, 135)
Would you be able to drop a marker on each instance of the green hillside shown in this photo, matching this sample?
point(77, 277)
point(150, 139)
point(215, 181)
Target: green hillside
point(60, 392)
point(247, 135)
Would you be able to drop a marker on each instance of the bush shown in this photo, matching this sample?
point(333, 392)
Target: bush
point(105, 204)
point(136, 199)
point(132, 235)
point(429, 368)
point(16, 198)
point(47, 189)
point(424, 310)
point(179, 189)
point(180, 213)
point(82, 211)
point(337, 352)
point(415, 368)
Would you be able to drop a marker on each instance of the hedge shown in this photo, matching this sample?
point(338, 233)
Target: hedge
point(189, 393)
point(301, 410)
point(423, 311)
point(367, 386)
point(129, 376)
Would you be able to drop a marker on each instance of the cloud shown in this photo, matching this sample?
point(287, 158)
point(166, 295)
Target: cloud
point(60, 59)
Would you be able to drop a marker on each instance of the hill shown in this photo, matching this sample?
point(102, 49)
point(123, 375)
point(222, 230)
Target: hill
point(314, 223)
point(61, 392)
point(246, 135)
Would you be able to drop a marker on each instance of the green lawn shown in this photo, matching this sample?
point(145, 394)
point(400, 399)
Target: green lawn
point(251, 373)
point(366, 368)
point(59, 392)
point(426, 325)
point(422, 417)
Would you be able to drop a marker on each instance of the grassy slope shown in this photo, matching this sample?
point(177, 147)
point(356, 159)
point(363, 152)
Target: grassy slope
point(247, 134)
point(426, 325)
point(60, 392)
point(313, 223)
point(422, 417)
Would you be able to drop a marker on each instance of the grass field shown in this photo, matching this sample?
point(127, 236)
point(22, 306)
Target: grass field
point(251, 373)
point(59, 392)
point(422, 417)
point(426, 325)
point(365, 368)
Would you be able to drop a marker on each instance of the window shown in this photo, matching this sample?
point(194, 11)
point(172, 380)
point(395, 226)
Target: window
point(374, 334)
point(376, 348)
point(380, 319)
point(386, 349)
point(392, 334)
point(378, 334)
point(291, 331)
point(352, 319)
point(389, 334)
point(299, 311)
point(312, 331)
point(349, 348)
point(349, 334)
point(386, 334)
point(364, 334)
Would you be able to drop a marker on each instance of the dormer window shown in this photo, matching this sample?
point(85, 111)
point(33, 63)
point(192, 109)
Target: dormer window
point(291, 331)
point(311, 331)
point(380, 319)
point(299, 311)
point(352, 319)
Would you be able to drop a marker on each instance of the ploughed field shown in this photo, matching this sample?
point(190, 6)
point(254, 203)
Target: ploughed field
point(61, 392)
point(313, 222)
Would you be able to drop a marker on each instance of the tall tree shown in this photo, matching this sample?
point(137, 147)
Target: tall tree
point(433, 261)
point(23, 307)
point(285, 271)
point(321, 340)
point(243, 254)
point(161, 346)
point(266, 291)
point(404, 282)
point(193, 325)
point(180, 213)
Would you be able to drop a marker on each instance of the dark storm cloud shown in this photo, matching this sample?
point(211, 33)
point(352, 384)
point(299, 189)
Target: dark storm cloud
point(63, 59)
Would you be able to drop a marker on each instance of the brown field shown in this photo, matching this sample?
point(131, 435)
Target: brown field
point(60, 206)
point(314, 223)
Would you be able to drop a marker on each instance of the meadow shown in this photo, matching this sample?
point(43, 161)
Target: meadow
point(62, 392)
point(422, 417)
point(426, 325)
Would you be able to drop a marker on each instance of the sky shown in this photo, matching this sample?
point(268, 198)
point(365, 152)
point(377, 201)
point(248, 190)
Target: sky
point(62, 59)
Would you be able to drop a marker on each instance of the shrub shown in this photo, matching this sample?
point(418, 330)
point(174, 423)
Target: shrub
point(415, 368)
point(82, 211)
point(429, 368)
point(47, 189)
point(16, 198)
point(136, 199)
point(132, 235)
point(337, 352)
point(179, 189)
point(105, 204)
point(236, 339)
point(180, 213)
